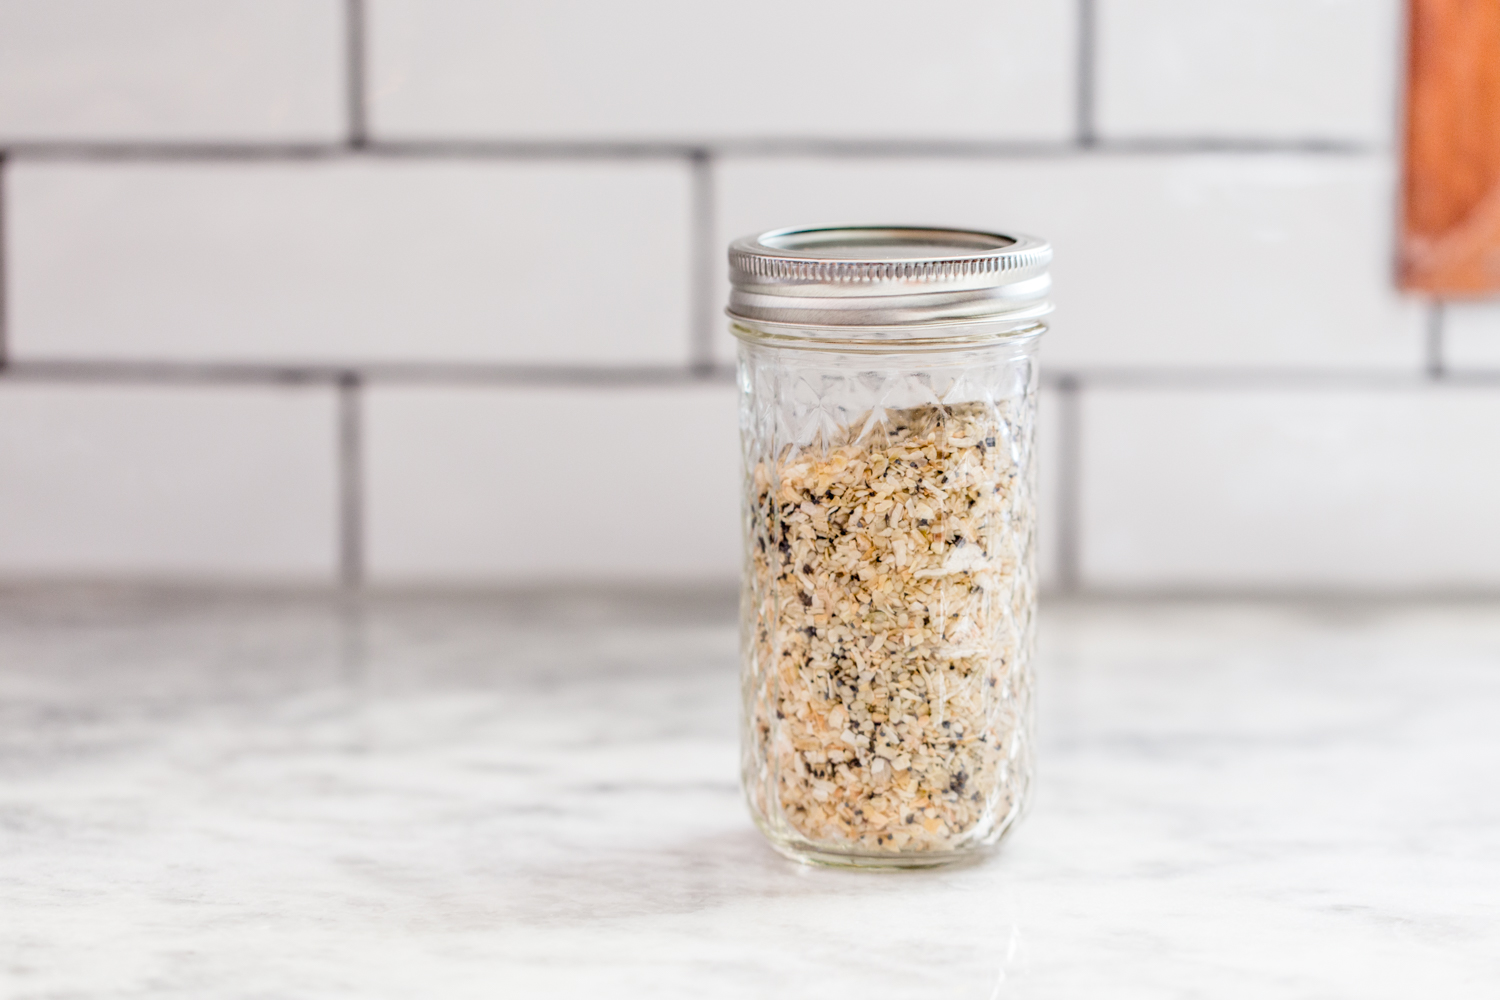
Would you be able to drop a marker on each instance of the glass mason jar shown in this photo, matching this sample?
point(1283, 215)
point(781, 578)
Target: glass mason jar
point(888, 384)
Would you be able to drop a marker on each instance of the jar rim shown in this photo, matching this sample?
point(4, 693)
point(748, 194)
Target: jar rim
point(887, 276)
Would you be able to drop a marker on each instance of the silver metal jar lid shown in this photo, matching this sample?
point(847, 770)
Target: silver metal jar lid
point(887, 276)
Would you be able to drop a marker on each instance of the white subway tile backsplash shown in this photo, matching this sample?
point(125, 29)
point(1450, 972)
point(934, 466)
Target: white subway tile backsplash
point(1322, 70)
point(528, 484)
point(167, 482)
point(172, 70)
point(1211, 260)
point(1471, 336)
point(673, 70)
point(1167, 263)
point(350, 260)
point(1391, 489)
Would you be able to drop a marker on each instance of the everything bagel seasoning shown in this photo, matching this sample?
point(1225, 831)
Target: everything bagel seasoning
point(891, 618)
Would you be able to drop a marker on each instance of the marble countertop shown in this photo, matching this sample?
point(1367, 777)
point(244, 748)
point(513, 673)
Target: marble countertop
point(281, 796)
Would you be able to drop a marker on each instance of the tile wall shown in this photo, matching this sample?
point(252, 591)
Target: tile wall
point(405, 292)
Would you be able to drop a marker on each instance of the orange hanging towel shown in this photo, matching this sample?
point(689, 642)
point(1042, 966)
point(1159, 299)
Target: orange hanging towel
point(1450, 241)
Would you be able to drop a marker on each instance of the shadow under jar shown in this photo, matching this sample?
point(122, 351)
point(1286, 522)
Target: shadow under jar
point(888, 383)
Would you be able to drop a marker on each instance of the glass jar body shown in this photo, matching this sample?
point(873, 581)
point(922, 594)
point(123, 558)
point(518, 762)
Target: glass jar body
point(889, 594)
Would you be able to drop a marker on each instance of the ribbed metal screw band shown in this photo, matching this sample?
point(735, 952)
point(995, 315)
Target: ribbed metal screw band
point(842, 272)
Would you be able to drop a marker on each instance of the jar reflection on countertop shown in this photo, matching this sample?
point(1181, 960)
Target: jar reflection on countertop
point(887, 382)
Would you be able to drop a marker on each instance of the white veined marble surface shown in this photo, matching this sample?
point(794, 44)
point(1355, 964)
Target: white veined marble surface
point(267, 796)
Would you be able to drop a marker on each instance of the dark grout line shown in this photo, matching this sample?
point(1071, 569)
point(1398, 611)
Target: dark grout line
point(1327, 598)
point(544, 375)
point(541, 375)
point(174, 152)
point(131, 152)
point(162, 372)
point(1085, 81)
point(701, 273)
point(393, 149)
point(1164, 145)
point(1068, 504)
point(795, 146)
point(4, 271)
point(351, 506)
point(355, 83)
point(170, 372)
point(501, 150)
point(1259, 378)
point(1437, 316)
point(567, 375)
point(508, 149)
